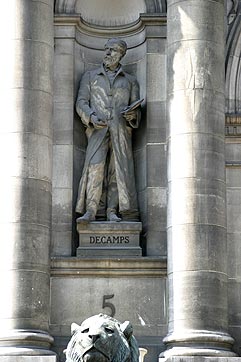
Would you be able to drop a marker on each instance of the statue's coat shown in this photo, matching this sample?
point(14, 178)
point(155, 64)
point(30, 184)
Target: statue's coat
point(97, 94)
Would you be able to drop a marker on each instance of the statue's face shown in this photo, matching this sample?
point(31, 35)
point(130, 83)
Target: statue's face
point(113, 55)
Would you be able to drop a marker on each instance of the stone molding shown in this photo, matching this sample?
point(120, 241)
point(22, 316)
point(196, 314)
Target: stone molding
point(203, 340)
point(28, 359)
point(233, 126)
point(114, 267)
point(233, 119)
point(19, 342)
point(200, 359)
point(123, 30)
point(68, 6)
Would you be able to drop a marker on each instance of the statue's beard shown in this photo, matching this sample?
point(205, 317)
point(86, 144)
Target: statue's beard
point(111, 62)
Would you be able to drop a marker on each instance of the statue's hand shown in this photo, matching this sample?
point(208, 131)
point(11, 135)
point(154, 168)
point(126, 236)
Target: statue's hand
point(97, 123)
point(129, 116)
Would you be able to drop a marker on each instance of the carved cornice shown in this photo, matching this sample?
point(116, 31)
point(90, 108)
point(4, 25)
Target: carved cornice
point(97, 30)
point(112, 267)
point(233, 119)
point(233, 126)
point(154, 19)
point(233, 164)
point(69, 6)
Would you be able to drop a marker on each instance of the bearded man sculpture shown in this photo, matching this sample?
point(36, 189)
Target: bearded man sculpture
point(102, 104)
point(102, 339)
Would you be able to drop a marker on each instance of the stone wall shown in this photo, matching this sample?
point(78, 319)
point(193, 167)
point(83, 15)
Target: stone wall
point(136, 288)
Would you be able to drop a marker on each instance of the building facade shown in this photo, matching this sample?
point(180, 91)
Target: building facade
point(183, 294)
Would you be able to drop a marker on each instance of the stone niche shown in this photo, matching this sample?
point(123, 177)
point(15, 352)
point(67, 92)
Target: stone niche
point(87, 279)
point(134, 63)
point(77, 49)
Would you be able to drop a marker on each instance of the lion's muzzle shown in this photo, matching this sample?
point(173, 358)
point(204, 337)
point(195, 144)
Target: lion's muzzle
point(93, 355)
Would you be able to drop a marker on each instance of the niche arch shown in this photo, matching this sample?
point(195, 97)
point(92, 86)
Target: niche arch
point(233, 64)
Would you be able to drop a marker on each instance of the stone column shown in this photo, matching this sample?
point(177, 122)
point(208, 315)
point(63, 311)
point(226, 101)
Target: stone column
point(197, 259)
point(26, 173)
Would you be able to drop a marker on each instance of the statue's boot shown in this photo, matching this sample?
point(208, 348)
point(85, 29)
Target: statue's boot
point(86, 218)
point(113, 217)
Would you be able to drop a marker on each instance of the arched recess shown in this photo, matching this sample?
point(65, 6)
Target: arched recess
point(233, 64)
point(107, 13)
point(64, 6)
point(156, 6)
point(80, 34)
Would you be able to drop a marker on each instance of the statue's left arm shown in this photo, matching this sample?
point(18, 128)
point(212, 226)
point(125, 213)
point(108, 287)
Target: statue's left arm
point(134, 117)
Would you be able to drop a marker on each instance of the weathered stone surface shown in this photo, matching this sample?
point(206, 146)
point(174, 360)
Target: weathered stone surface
point(157, 202)
point(156, 142)
point(140, 172)
point(156, 243)
point(156, 86)
point(196, 219)
point(28, 358)
point(109, 239)
point(39, 30)
point(30, 112)
point(203, 256)
point(184, 102)
point(137, 281)
point(26, 158)
point(63, 145)
point(156, 122)
point(110, 14)
point(156, 165)
point(63, 169)
point(234, 252)
point(200, 359)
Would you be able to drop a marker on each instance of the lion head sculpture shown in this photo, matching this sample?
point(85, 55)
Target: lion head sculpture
point(102, 339)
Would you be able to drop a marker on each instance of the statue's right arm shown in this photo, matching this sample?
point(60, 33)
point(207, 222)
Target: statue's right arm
point(83, 100)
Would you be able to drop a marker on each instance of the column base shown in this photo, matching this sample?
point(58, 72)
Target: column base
point(200, 359)
point(28, 358)
point(198, 343)
point(20, 342)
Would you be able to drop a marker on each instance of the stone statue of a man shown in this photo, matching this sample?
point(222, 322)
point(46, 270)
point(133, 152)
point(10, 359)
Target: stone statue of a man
point(103, 95)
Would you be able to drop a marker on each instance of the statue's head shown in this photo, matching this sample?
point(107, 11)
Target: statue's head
point(117, 43)
point(115, 49)
point(102, 339)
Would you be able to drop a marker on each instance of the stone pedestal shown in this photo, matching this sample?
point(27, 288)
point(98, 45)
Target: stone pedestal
point(119, 239)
